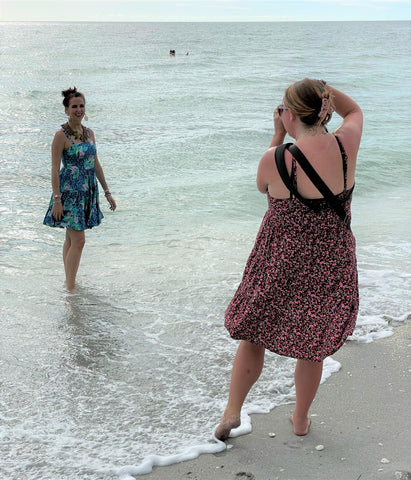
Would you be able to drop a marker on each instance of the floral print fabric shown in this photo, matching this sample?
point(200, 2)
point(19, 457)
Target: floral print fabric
point(299, 293)
point(78, 189)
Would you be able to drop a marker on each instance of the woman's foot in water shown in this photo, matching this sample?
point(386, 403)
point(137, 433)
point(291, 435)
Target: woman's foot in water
point(228, 422)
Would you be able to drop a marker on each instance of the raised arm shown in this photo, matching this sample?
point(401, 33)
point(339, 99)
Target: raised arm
point(350, 130)
point(266, 168)
point(279, 130)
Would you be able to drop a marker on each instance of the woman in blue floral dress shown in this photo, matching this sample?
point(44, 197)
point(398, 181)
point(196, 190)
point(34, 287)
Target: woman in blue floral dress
point(74, 204)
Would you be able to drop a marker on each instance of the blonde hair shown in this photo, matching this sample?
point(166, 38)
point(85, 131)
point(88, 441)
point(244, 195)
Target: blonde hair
point(310, 100)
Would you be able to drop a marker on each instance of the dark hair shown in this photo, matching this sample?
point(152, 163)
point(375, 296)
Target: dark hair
point(305, 99)
point(71, 93)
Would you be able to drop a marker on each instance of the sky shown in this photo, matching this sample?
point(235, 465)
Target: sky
point(203, 10)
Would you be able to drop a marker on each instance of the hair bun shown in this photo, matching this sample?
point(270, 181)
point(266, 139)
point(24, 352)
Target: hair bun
point(310, 100)
point(69, 91)
point(69, 94)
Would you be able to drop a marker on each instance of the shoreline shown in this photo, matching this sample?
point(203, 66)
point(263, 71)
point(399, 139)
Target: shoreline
point(359, 416)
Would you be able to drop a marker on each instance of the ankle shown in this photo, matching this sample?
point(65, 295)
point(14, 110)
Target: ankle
point(232, 413)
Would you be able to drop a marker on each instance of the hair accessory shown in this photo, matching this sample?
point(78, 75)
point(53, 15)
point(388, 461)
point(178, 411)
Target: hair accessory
point(326, 107)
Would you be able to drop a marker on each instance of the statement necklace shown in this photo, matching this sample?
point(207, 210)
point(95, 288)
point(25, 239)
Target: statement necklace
point(78, 136)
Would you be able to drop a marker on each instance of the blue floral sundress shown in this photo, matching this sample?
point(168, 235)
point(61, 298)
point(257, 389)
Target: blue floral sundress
point(78, 188)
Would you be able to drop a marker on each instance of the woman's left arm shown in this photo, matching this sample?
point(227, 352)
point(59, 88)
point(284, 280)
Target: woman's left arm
point(100, 177)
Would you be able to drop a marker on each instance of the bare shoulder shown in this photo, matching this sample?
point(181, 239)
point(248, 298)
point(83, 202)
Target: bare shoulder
point(267, 161)
point(59, 138)
point(266, 170)
point(268, 155)
point(92, 134)
point(59, 135)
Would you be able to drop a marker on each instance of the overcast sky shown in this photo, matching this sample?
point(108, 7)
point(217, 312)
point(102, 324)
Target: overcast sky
point(203, 10)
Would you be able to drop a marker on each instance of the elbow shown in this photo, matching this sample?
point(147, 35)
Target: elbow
point(262, 187)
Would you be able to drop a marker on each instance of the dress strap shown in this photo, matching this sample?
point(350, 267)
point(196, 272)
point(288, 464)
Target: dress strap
point(328, 195)
point(344, 161)
point(68, 136)
point(293, 174)
point(282, 169)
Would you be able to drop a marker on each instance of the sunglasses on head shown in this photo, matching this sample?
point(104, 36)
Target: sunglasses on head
point(281, 108)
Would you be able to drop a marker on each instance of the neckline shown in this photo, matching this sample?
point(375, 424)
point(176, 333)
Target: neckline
point(76, 144)
point(68, 132)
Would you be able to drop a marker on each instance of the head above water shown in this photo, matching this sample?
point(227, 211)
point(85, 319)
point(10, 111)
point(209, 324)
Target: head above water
point(311, 101)
point(69, 94)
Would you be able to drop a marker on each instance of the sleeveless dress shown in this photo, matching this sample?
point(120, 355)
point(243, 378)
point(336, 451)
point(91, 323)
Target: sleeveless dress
point(299, 293)
point(78, 188)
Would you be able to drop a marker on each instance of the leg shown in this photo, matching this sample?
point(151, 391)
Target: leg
point(66, 248)
point(307, 379)
point(247, 366)
point(73, 247)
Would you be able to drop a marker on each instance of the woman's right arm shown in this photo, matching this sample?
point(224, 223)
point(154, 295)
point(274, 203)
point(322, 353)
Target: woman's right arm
point(279, 130)
point(350, 130)
point(56, 152)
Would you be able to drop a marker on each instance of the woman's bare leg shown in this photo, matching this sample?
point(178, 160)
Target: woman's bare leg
point(307, 379)
point(66, 248)
point(247, 367)
point(72, 250)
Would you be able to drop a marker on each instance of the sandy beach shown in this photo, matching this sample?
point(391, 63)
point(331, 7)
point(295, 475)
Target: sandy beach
point(360, 427)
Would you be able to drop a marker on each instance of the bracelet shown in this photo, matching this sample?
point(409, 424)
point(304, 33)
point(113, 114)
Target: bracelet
point(57, 196)
point(107, 193)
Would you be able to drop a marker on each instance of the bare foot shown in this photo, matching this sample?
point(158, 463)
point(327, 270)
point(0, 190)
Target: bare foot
point(301, 428)
point(226, 425)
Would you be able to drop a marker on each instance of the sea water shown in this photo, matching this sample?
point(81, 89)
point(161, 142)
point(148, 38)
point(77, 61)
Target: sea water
point(137, 362)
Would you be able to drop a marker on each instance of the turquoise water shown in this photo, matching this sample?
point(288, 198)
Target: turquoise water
point(137, 361)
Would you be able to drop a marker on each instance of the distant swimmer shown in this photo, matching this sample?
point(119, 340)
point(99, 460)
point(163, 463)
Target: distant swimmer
point(187, 53)
point(173, 53)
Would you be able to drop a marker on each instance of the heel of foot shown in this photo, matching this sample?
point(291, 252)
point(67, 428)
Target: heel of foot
point(301, 432)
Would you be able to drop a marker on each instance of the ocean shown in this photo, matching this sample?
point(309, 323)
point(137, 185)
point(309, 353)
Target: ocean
point(136, 362)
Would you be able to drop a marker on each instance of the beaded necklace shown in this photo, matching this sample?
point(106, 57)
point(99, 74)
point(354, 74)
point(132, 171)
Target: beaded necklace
point(78, 136)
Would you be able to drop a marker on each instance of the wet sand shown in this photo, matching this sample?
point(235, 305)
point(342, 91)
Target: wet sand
point(361, 427)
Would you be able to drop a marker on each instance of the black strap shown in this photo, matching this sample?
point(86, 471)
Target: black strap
point(282, 169)
point(344, 159)
point(329, 197)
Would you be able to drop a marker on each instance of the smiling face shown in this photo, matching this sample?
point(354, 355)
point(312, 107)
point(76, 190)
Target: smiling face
point(76, 109)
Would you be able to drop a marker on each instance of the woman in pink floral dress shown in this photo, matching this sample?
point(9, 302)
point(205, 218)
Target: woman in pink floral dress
point(299, 292)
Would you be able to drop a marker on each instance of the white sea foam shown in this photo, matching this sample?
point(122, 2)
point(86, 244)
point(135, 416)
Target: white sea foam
point(125, 473)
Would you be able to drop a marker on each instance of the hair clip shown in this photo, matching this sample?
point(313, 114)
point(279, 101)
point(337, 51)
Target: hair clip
point(326, 107)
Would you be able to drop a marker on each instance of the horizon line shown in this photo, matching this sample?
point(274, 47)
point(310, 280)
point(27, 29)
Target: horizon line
point(199, 21)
